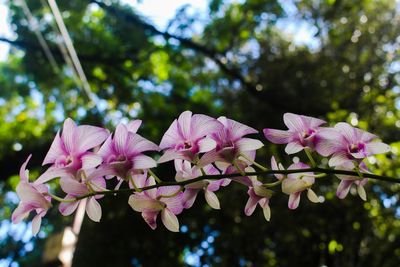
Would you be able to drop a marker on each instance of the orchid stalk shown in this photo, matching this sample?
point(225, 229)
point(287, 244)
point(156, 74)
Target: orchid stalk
point(208, 155)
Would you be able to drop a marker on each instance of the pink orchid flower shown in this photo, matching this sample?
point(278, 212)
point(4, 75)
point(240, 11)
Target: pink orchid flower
point(303, 132)
point(295, 183)
point(90, 181)
point(348, 180)
point(33, 198)
point(258, 195)
point(185, 171)
point(230, 143)
point(123, 152)
point(69, 151)
point(187, 136)
point(346, 144)
point(166, 199)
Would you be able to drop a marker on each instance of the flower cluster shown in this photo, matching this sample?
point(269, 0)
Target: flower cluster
point(208, 155)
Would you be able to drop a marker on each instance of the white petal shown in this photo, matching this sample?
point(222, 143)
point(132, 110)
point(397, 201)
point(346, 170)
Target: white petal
point(312, 196)
point(170, 220)
point(267, 213)
point(361, 192)
point(206, 144)
point(377, 148)
point(248, 144)
point(91, 161)
point(93, 209)
point(36, 222)
point(293, 147)
point(212, 199)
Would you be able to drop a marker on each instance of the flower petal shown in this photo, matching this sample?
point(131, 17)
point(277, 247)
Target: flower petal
point(73, 187)
point(21, 212)
point(172, 155)
point(206, 145)
point(361, 192)
point(278, 136)
point(251, 205)
point(171, 136)
point(343, 188)
point(377, 148)
point(312, 196)
point(203, 125)
point(56, 150)
point(67, 208)
point(248, 144)
point(91, 160)
point(36, 222)
point(53, 173)
point(189, 196)
point(120, 138)
point(275, 167)
point(93, 209)
point(150, 218)
point(137, 144)
point(293, 147)
point(294, 200)
point(133, 126)
point(337, 159)
point(23, 173)
point(141, 162)
point(267, 213)
point(170, 220)
point(88, 137)
point(212, 199)
point(140, 202)
point(294, 122)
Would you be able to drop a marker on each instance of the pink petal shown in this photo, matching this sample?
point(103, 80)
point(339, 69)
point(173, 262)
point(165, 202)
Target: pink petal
point(209, 157)
point(248, 144)
point(68, 135)
point(238, 129)
point(294, 200)
point(293, 147)
point(251, 205)
point(91, 160)
point(150, 218)
point(184, 125)
point(141, 162)
point(67, 208)
point(348, 131)
point(137, 144)
point(331, 141)
point(172, 155)
point(29, 195)
point(21, 212)
point(294, 122)
point(170, 220)
point(206, 144)
point(134, 125)
point(89, 137)
point(36, 222)
point(339, 158)
point(120, 138)
point(93, 209)
point(53, 173)
point(203, 125)
point(24, 176)
point(274, 166)
point(343, 188)
point(171, 136)
point(55, 151)
point(277, 136)
point(174, 204)
point(377, 148)
point(73, 187)
point(107, 148)
point(189, 196)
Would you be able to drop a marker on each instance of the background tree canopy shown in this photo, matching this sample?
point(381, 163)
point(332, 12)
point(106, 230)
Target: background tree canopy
point(238, 59)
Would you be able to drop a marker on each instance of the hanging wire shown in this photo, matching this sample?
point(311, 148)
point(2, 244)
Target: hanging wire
point(34, 26)
point(63, 49)
point(71, 50)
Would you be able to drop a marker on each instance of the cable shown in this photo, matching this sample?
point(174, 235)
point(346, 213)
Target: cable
point(71, 50)
point(34, 25)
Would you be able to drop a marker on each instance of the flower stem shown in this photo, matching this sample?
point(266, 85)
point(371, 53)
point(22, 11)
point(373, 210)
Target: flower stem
point(238, 168)
point(310, 157)
point(258, 165)
point(158, 180)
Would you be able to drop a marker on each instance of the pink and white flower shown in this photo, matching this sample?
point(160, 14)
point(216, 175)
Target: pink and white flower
point(295, 183)
point(303, 132)
point(258, 195)
point(123, 151)
point(185, 171)
point(166, 199)
point(188, 136)
point(33, 198)
point(90, 181)
point(347, 144)
point(231, 143)
point(348, 180)
point(69, 151)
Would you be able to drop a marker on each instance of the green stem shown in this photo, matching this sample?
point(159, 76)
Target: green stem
point(158, 180)
point(269, 185)
point(238, 168)
point(258, 165)
point(310, 157)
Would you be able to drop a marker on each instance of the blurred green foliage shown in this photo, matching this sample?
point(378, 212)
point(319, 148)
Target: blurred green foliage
point(242, 64)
